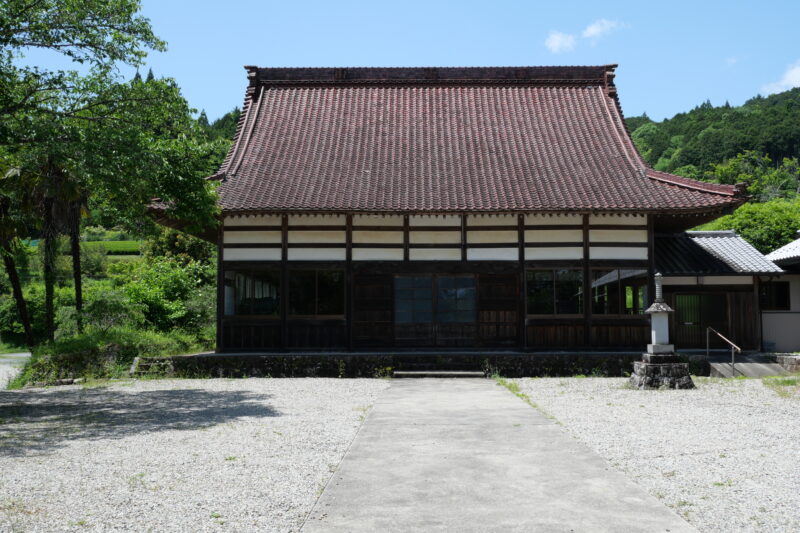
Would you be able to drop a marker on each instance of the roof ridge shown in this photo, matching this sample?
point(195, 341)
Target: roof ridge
point(578, 74)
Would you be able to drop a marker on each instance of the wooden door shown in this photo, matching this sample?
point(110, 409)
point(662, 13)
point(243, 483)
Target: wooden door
point(694, 312)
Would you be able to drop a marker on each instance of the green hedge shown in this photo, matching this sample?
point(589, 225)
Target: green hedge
point(115, 247)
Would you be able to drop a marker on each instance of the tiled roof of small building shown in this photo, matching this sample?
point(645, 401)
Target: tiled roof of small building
point(786, 255)
point(703, 253)
point(445, 140)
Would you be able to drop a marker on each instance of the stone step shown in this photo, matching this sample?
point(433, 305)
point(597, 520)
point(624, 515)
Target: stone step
point(438, 374)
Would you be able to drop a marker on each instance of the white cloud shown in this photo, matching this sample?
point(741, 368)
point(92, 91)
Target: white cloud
point(601, 27)
point(790, 79)
point(558, 42)
point(730, 61)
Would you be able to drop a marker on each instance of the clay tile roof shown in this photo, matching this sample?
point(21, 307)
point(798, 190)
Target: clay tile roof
point(445, 139)
point(702, 253)
point(786, 255)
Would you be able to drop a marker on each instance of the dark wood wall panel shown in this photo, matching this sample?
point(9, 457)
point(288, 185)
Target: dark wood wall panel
point(316, 334)
point(251, 335)
point(498, 309)
point(541, 336)
point(620, 335)
point(744, 318)
point(373, 297)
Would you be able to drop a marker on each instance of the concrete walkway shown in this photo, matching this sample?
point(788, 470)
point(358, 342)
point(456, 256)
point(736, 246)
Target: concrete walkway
point(467, 455)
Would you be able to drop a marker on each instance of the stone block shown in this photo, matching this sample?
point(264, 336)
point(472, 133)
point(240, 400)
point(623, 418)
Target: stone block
point(670, 375)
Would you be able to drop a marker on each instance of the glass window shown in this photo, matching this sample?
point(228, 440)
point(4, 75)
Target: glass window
point(413, 299)
point(455, 299)
point(252, 292)
point(539, 285)
point(316, 292)
point(619, 292)
point(330, 292)
point(569, 292)
point(558, 292)
point(775, 296)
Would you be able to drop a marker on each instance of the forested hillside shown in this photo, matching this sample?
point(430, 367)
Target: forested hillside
point(757, 143)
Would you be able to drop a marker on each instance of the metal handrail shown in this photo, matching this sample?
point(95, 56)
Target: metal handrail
point(734, 348)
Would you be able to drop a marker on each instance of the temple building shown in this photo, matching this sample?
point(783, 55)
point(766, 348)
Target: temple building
point(374, 209)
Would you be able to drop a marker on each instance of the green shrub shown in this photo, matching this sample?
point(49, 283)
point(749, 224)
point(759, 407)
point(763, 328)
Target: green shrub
point(94, 260)
point(169, 290)
point(100, 354)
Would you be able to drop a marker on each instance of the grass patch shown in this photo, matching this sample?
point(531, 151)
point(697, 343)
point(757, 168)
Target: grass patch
point(784, 386)
point(513, 387)
point(11, 348)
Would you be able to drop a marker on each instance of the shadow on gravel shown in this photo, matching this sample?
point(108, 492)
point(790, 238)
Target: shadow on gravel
point(33, 422)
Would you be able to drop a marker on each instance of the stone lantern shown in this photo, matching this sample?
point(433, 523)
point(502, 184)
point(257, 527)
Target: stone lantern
point(660, 367)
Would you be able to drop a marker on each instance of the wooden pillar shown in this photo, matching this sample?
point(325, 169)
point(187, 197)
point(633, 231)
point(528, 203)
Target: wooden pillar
point(463, 237)
point(759, 339)
point(285, 281)
point(522, 309)
point(406, 238)
point(220, 286)
point(349, 281)
point(587, 286)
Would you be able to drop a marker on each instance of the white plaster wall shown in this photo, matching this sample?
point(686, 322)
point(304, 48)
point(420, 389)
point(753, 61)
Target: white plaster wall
point(553, 253)
point(431, 254)
point(554, 235)
point(251, 254)
point(781, 330)
point(610, 252)
point(231, 237)
point(726, 280)
point(617, 235)
point(492, 254)
point(393, 237)
point(503, 237)
point(377, 254)
point(317, 254)
point(434, 237)
point(316, 237)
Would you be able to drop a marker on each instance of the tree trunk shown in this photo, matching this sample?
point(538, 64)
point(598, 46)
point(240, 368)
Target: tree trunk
point(50, 244)
point(16, 286)
point(75, 250)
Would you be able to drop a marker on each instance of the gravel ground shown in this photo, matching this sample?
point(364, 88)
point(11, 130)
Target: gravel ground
point(174, 455)
point(10, 365)
point(725, 456)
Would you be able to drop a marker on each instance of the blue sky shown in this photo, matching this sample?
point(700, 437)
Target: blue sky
point(673, 55)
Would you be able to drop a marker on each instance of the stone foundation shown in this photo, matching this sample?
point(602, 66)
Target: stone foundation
point(661, 371)
point(790, 362)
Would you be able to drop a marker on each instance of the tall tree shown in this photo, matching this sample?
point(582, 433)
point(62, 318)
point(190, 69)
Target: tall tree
point(77, 134)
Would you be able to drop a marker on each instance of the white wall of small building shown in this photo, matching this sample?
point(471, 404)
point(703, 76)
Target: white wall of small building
point(781, 329)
